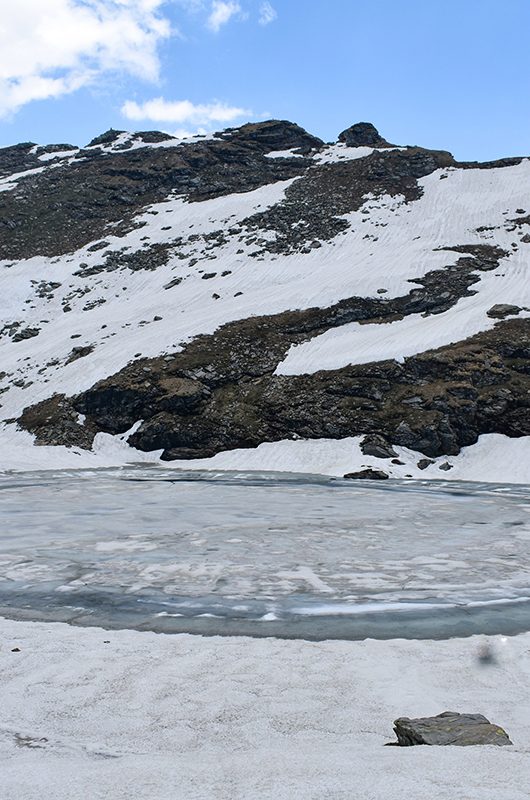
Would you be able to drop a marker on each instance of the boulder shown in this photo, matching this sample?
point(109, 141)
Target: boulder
point(423, 463)
point(378, 446)
point(449, 728)
point(368, 473)
point(502, 310)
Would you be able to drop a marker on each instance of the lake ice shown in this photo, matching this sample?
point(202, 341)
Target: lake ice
point(264, 553)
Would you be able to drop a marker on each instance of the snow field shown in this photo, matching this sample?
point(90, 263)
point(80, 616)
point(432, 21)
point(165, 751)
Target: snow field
point(87, 712)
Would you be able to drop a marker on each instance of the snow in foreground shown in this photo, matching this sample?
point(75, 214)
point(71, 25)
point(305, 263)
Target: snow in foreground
point(121, 715)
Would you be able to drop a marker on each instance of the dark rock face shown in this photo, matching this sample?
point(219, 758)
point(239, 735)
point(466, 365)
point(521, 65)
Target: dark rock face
point(449, 728)
point(363, 134)
point(220, 393)
point(24, 156)
point(59, 421)
point(17, 158)
point(273, 135)
point(25, 333)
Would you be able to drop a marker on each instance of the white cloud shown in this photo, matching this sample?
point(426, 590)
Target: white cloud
point(267, 14)
point(221, 13)
point(182, 112)
point(49, 48)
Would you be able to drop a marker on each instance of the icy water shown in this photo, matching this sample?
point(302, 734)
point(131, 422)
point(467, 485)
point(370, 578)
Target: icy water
point(264, 554)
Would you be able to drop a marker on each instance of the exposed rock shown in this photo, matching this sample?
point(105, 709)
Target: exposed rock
point(368, 474)
point(375, 445)
point(153, 137)
point(363, 134)
point(477, 386)
point(423, 463)
point(79, 352)
point(149, 258)
point(66, 208)
point(502, 310)
point(273, 135)
point(17, 158)
point(449, 728)
point(108, 137)
point(25, 333)
point(56, 422)
point(315, 205)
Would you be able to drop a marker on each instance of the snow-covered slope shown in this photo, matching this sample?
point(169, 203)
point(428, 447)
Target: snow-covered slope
point(379, 253)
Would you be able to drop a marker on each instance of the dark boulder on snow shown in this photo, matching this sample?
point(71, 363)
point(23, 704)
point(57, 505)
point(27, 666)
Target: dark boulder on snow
point(502, 310)
point(377, 446)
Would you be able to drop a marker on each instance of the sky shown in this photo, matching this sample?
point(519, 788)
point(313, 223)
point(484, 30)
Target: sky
point(447, 74)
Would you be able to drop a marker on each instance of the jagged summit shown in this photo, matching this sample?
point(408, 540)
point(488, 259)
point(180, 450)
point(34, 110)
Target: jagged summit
point(273, 135)
point(363, 134)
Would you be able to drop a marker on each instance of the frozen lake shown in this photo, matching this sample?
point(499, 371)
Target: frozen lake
point(264, 554)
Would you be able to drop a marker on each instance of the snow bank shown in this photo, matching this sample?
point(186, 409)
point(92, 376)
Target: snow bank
point(494, 458)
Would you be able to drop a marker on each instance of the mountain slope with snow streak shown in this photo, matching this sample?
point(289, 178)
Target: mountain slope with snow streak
point(186, 300)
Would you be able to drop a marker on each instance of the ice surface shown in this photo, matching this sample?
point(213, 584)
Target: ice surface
point(121, 546)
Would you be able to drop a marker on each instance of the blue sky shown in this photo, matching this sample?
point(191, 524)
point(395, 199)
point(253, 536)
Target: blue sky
point(452, 75)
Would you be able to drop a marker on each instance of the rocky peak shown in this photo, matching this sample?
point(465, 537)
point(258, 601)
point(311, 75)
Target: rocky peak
point(274, 134)
point(363, 134)
point(112, 137)
point(106, 138)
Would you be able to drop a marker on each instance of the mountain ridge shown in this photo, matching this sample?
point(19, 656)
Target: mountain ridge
point(281, 256)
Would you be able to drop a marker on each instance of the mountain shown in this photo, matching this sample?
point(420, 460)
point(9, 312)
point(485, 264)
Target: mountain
point(258, 298)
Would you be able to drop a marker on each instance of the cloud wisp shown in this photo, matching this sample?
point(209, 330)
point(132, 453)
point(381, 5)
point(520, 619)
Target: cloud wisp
point(183, 112)
point(52, 48)
point(222, 12)
point(267, 14)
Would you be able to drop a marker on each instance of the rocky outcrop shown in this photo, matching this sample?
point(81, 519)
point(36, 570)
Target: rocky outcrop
point(112, 137)
point(449, 728)
point(273, 135)
point(377, 446)
point(363, 134)
point(314, 206)
point(221, 393)
point(26, 155)
point(102, 190)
